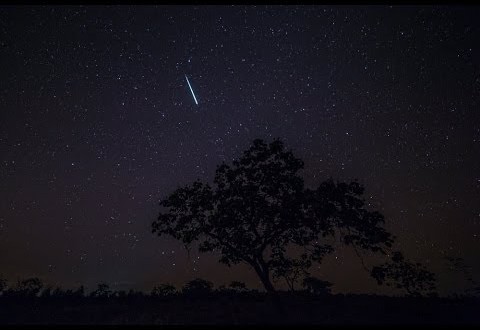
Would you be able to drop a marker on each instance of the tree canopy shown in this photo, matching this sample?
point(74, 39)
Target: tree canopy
point(403, 274)
point(198, 287)
point(258, 210)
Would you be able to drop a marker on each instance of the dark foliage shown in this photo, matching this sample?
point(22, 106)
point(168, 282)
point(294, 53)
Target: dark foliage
point(316, 286)
point(3, 285)
point(237, 286)
point(258, 209)
point(402, 274)
point(103, 291)
point(30, 287)
point(164, 290)
point(233, 305)
point(198, 287)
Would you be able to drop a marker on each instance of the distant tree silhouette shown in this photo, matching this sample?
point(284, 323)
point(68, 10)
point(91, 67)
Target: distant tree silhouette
point(164, 290)
point(46, 292)
point(258, 211)
point(102, 291)
point(58, 293)
point(223, 289)
point(29, 287)
point(131, 294)
point(61, 293)
point(3, 285)
point(291, 270)
point(80, 292)
point(475, 291)
point(316, 286)
point(235, 287)
point(198, 287)
point(120, 294)
point(238, 287)
point(459, 265)
point(406, 275)
point(69, 293)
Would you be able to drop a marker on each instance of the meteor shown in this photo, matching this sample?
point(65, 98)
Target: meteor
point(193, 94)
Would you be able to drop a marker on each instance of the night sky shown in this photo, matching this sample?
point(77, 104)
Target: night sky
point(97, 124)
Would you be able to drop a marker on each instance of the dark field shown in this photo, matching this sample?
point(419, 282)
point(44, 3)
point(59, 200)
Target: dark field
point(242, 309)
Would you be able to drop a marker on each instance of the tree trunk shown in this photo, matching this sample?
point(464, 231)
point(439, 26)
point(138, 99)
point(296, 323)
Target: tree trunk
point(263, 274)
point(291, 286)
point(267, 283)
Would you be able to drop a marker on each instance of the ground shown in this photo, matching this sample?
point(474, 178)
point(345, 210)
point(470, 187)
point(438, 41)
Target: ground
point(242, 309)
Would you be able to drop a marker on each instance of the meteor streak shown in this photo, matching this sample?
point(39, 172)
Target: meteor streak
point(193, 94)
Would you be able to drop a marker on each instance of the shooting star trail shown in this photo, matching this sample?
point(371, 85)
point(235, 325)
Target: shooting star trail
point(193, 94)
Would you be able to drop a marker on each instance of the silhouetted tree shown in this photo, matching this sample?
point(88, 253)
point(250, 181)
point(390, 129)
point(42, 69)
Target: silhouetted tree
point(258, 208)
point(3, 285)
point(475, 291)
point(235, 287)
point(29, 287)
point(132, 294)
point(291, 270)
point(47, 292)
point(406, 275)
point(58, 292)
point(459, 265)
point(120, 294)
point(103, 291)
point(80, 292)
point(316, 286)
point(69, 293)
point(164, 290)
point(238, 287)
point(198, 287)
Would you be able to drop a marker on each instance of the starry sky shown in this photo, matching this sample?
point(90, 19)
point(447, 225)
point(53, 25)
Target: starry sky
point(97, 124)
